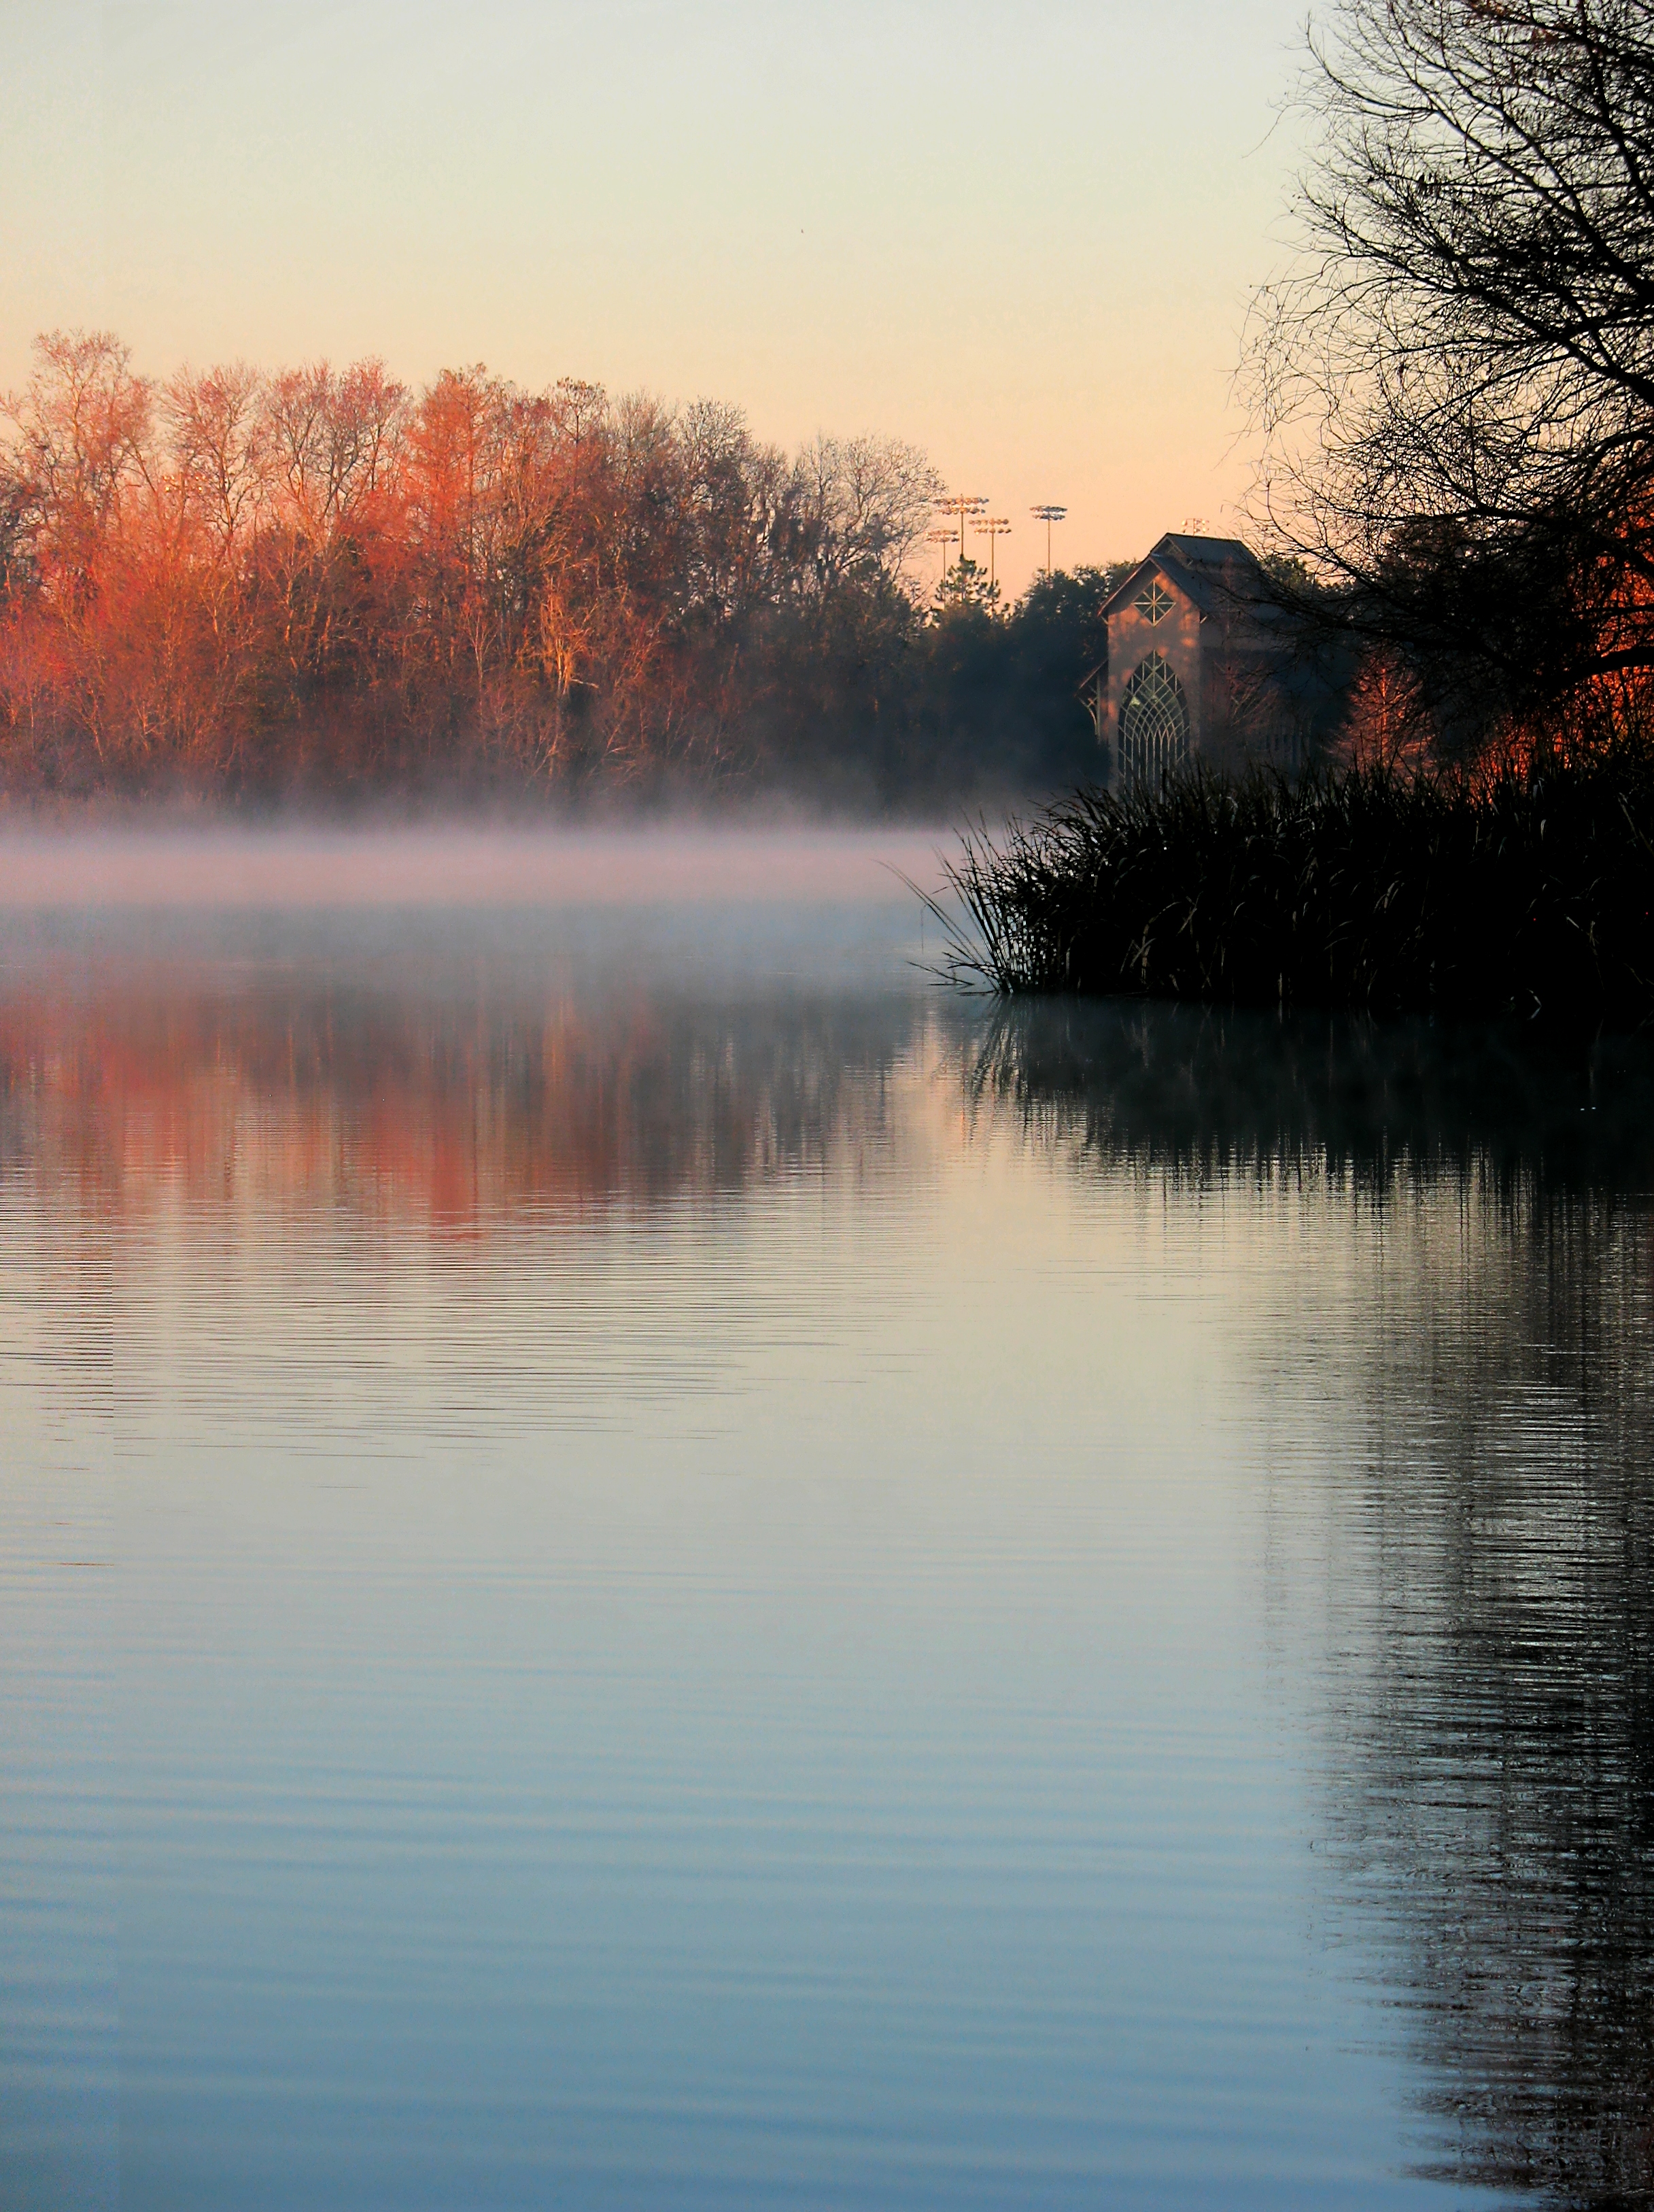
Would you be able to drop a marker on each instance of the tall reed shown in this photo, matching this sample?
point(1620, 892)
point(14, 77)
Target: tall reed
point(1529, 889)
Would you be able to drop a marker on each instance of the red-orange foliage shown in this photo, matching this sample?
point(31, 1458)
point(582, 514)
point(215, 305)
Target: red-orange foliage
point(244, 581)
point(1385, 725)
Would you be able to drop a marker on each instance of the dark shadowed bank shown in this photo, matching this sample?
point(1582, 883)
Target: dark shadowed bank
point(1526, 891)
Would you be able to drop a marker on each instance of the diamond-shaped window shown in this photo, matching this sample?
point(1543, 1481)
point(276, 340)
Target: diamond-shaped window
point(1154, 602)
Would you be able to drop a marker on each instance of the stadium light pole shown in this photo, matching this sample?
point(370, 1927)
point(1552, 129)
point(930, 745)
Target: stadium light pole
point(944, 538)
point(963, 504)
point(1048, 513)
point(991, 526)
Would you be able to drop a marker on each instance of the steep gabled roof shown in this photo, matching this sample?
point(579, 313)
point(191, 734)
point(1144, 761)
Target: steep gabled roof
point(1207, 552)
point(1218, 574)
point(1213, 572)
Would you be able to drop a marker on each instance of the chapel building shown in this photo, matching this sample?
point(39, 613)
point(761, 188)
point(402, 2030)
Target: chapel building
point(1203, 661)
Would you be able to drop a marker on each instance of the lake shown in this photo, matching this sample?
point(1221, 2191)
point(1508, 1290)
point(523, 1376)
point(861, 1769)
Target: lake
point(646, 1563)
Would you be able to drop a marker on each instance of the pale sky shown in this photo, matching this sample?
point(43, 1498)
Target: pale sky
point(1023, 238)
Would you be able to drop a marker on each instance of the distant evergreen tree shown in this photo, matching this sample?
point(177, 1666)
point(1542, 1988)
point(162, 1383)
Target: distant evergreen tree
point(965, 587)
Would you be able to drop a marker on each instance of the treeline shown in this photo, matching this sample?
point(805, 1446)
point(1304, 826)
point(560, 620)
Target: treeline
point(319, 581)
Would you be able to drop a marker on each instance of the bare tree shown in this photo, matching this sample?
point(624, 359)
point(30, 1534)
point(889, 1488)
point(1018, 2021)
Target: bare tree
point(79, 449)
point(1457, 374)
point(219, 436)
point(865, 504)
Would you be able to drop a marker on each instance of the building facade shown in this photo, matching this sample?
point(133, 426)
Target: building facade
point(1202, 662)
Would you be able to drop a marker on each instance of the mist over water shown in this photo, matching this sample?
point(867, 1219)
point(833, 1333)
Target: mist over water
point(323, 866)
point(644, 1562)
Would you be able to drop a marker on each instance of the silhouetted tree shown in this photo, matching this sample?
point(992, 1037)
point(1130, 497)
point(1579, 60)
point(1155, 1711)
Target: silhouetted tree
point(1457, 376)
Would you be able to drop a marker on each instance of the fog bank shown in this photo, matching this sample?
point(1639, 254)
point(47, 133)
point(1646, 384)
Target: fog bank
point(467, 866)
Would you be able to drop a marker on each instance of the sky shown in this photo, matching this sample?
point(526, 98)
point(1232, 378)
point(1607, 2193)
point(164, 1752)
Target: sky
point(1023, 238)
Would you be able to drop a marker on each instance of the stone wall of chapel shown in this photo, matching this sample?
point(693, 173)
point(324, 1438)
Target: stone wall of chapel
point(1258, 707)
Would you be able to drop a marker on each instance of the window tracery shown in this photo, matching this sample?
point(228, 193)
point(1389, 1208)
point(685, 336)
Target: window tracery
point(1153, 734)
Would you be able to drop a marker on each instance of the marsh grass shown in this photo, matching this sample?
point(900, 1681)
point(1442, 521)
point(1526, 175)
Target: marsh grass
point(1525, 892)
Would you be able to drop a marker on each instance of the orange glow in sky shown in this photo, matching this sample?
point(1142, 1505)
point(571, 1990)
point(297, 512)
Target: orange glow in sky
point(1023, 238)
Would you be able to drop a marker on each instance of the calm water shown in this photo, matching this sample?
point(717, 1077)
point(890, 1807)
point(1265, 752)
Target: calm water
point(643, 1564)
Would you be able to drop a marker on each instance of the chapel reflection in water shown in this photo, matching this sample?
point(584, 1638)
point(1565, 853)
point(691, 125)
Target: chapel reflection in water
point(1488, 1753)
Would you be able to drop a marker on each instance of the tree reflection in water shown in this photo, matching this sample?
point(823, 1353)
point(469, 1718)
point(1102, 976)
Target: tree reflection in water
point(411, 1107)
point(1489, 1738)
point(1490, 1713)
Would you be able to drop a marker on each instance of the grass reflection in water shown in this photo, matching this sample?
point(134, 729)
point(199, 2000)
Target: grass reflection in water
point(1488, 1752)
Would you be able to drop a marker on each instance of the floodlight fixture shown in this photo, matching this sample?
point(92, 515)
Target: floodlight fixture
point(966, 505)
point(1048, 512)
point(991, 526)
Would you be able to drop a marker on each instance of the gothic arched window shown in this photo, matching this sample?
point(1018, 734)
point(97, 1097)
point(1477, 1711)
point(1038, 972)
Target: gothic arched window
point(1153, 722)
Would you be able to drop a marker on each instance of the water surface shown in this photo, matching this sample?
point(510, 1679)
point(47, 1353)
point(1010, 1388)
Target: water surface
point(644, 1564)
